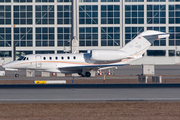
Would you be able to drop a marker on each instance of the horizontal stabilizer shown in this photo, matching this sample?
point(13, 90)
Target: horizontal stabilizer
point(152, 35)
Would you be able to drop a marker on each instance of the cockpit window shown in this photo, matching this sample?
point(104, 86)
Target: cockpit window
point(24, 58)
point(21, 58)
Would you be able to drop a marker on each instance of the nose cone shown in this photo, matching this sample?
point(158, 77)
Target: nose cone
point(5, 66)
point(8, 65)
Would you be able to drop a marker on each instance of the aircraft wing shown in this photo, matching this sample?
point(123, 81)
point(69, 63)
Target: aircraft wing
point(87, 67)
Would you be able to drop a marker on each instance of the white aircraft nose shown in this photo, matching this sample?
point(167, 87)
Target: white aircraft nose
point(9, 67)
point(5, 65)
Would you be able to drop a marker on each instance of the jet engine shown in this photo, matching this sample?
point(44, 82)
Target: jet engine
point(107, 55)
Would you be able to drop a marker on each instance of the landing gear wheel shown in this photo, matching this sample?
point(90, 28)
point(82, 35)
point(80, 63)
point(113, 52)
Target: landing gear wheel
point(88, 74)
point(16, 75)
point(83, 75)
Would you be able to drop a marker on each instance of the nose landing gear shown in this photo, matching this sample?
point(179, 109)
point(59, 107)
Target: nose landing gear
point(16, 74)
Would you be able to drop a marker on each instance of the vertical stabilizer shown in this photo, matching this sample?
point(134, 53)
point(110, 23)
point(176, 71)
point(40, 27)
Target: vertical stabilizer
point(142, 42)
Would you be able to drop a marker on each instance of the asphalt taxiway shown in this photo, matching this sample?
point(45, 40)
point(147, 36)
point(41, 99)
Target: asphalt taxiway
point(88, 95)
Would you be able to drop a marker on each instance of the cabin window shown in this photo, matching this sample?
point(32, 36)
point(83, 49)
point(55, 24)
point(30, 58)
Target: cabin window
point(74, 57)
point(62, 58)
point(50, 58)
point(68, 57)
point(56, 58)
point(44, 58)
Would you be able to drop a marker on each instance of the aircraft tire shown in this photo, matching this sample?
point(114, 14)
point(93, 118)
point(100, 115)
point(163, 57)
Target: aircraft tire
point(83, 75)
point(88, 74)
point(16, 75)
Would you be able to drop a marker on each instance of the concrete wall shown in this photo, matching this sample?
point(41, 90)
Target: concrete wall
point(157, 61)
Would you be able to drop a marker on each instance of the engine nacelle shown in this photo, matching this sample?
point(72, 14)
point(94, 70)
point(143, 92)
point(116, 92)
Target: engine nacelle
point(107, 55)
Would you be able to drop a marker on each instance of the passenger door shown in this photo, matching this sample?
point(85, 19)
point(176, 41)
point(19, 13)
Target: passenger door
point(38, 61)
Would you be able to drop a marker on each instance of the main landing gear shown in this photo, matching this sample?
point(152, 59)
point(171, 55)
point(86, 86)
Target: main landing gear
point(87, 74)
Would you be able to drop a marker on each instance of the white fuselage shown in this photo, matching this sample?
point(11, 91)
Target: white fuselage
point(52, 62)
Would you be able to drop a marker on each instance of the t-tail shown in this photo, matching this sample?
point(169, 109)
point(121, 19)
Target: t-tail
point(142, 42)
point(134, 49)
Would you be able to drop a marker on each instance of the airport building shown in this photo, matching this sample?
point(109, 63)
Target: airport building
point(44, 26)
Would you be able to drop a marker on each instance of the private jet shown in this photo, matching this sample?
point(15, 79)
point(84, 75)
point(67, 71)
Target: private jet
point(83, 63)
